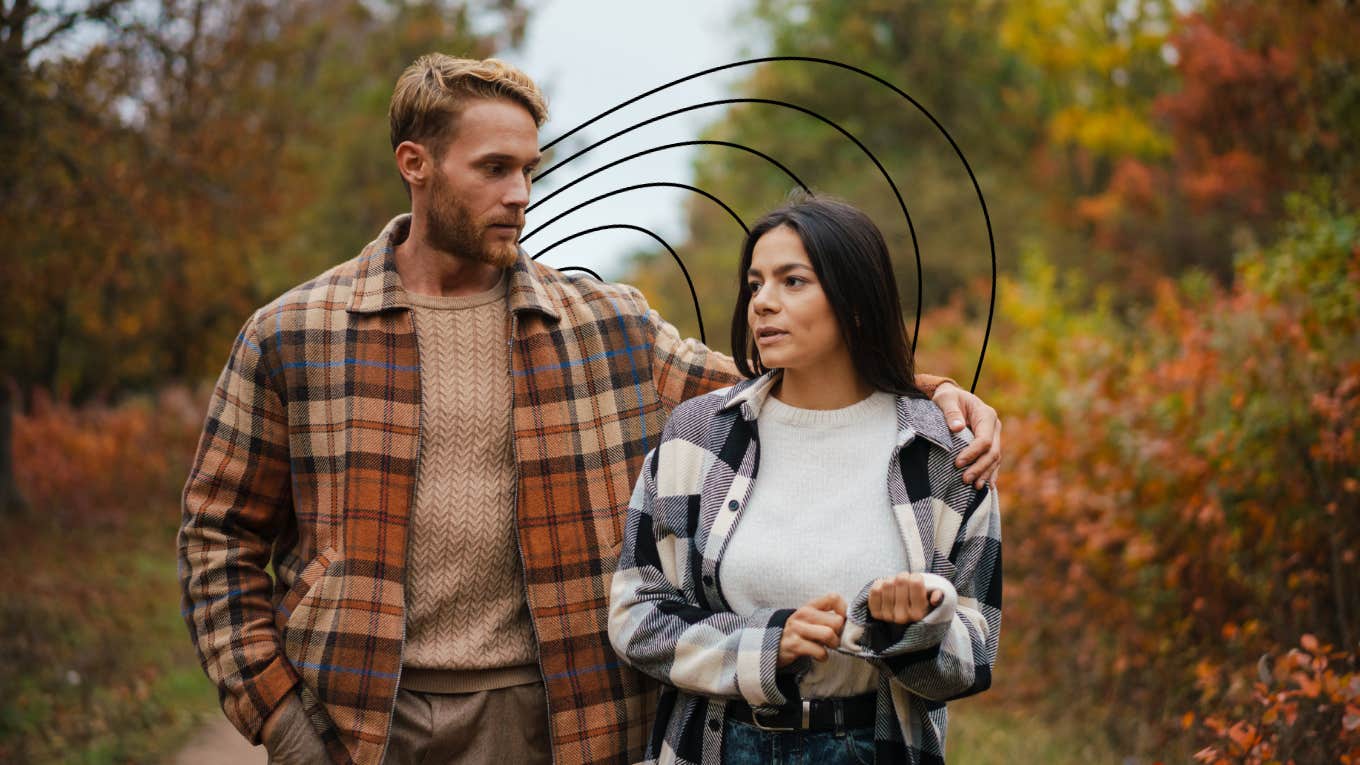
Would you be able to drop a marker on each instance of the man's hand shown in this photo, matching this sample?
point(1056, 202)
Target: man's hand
point(812, 629)
point(983, 456)
point(272, 721)
point(902, 599)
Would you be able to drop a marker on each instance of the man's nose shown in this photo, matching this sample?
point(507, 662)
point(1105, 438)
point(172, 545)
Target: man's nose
point(517, 195)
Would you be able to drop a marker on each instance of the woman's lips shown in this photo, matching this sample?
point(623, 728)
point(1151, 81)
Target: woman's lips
point(765, 337)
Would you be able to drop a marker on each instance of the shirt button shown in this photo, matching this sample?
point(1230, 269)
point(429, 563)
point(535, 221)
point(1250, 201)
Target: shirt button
point(733, 505)
point(708, 580)
point(714, 725)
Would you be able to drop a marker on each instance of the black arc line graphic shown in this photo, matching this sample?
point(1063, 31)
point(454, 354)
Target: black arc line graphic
point(655, 184)
point(972, 177)
point(693, 294)
point(581, 268)
point(883, 171)
point(663, 147)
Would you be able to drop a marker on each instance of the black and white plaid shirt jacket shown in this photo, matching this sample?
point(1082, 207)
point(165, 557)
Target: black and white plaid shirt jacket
point(668, 616)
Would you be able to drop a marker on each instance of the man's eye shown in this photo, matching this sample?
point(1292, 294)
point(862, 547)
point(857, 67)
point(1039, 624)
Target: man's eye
point(495, 169)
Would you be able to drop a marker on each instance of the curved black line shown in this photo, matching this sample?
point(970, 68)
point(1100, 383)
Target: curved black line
point(655, 184)
point(693, 294)
point(644, 152)
point(986, 216)
point(911, 227)
point(581, 268)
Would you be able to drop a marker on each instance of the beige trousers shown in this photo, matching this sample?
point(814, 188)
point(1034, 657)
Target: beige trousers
point(496, 727)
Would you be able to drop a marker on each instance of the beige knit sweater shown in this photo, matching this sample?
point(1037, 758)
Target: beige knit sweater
point(466, 614)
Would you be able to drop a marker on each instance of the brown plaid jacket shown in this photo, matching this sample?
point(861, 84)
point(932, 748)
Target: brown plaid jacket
point(309, 458)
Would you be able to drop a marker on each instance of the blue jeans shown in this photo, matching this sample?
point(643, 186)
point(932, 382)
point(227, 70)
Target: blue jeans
point(748, 745)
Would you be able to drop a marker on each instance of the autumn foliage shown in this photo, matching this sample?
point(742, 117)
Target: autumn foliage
point(1183, 490)
point(96, 465)
point(1298, 703)
point(1176, 354)
point(93, 659)
point(1176, 351)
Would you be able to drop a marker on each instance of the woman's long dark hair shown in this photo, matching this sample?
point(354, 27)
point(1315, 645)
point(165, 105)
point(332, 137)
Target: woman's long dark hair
point(850, 257)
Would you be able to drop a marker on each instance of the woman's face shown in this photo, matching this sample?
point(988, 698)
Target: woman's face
point(789, 314)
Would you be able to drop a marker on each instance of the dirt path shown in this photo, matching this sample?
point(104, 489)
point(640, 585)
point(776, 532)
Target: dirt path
point(218, 743)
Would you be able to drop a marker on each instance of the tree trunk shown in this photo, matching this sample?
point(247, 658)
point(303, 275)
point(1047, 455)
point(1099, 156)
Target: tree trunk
point(11, 502)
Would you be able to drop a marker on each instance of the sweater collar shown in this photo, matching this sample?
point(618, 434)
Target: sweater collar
point(377, 285)
point(915, 416)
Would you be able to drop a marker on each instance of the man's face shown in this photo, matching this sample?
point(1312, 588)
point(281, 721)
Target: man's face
point(480, 185)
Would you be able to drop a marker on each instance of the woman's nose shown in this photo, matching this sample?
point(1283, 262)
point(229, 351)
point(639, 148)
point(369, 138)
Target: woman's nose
point(764, 302)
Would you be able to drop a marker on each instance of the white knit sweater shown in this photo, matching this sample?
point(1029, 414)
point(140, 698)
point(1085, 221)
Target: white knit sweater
point(818, 521)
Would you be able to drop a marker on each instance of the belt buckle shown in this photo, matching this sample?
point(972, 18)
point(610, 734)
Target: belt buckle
point(807, 719)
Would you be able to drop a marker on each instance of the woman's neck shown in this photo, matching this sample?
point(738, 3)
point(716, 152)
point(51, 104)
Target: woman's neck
point(833, 386)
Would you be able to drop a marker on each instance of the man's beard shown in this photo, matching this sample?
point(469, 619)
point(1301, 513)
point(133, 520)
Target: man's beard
point(450, 227)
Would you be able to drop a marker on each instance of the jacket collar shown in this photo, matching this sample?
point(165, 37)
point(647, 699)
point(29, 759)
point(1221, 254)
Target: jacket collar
point(377, 285)
point(915, 416)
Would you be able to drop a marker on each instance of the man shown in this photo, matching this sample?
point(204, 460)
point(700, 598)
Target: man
point(435, 444)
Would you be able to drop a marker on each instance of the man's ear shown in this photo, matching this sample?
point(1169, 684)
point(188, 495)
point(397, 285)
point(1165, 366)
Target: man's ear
point(413, 162)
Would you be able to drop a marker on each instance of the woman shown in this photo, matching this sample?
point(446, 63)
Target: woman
point(803, 566)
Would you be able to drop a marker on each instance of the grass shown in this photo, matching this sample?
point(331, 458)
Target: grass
point(94, 657)
point(98, 668)
point(985, 733)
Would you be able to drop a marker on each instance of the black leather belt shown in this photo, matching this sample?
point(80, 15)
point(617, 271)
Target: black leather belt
point(810, 714)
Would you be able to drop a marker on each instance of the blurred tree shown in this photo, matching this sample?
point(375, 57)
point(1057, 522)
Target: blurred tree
point(1131, 138)
point(168, 166)
point(944, 55)
point(28, 32)
point(1269, 100)
point(1102, 64)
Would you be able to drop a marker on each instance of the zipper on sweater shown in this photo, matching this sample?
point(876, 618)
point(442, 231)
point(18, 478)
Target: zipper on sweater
point(514, 502)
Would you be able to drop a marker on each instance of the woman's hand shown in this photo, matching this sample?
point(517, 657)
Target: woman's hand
point(812, 629)
point(902, 599)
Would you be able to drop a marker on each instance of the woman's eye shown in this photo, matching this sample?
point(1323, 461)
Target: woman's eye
point(753, 286)
point(793, 281)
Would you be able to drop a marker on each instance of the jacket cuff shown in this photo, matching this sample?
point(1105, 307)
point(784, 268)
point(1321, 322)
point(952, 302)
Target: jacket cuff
point(260, 696)
point(759, 680)
point(867, 637)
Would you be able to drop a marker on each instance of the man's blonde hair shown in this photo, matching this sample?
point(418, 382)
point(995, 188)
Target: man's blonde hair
point(433, 91)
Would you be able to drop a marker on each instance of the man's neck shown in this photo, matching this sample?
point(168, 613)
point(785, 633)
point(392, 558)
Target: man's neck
point(426, 270)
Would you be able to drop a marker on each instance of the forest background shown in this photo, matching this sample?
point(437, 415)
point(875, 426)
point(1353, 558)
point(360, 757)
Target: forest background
point(1174, 189)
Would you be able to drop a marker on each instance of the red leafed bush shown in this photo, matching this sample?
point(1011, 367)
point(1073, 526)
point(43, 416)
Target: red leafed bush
point(96, 464)
point(1181, 491)
point(1304, 708)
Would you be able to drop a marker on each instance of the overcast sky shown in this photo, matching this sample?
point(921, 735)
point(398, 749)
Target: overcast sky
point(590, 55)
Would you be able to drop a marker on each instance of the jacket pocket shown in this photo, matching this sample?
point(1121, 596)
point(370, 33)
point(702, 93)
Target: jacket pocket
point(608, 530)
point(313, 571)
